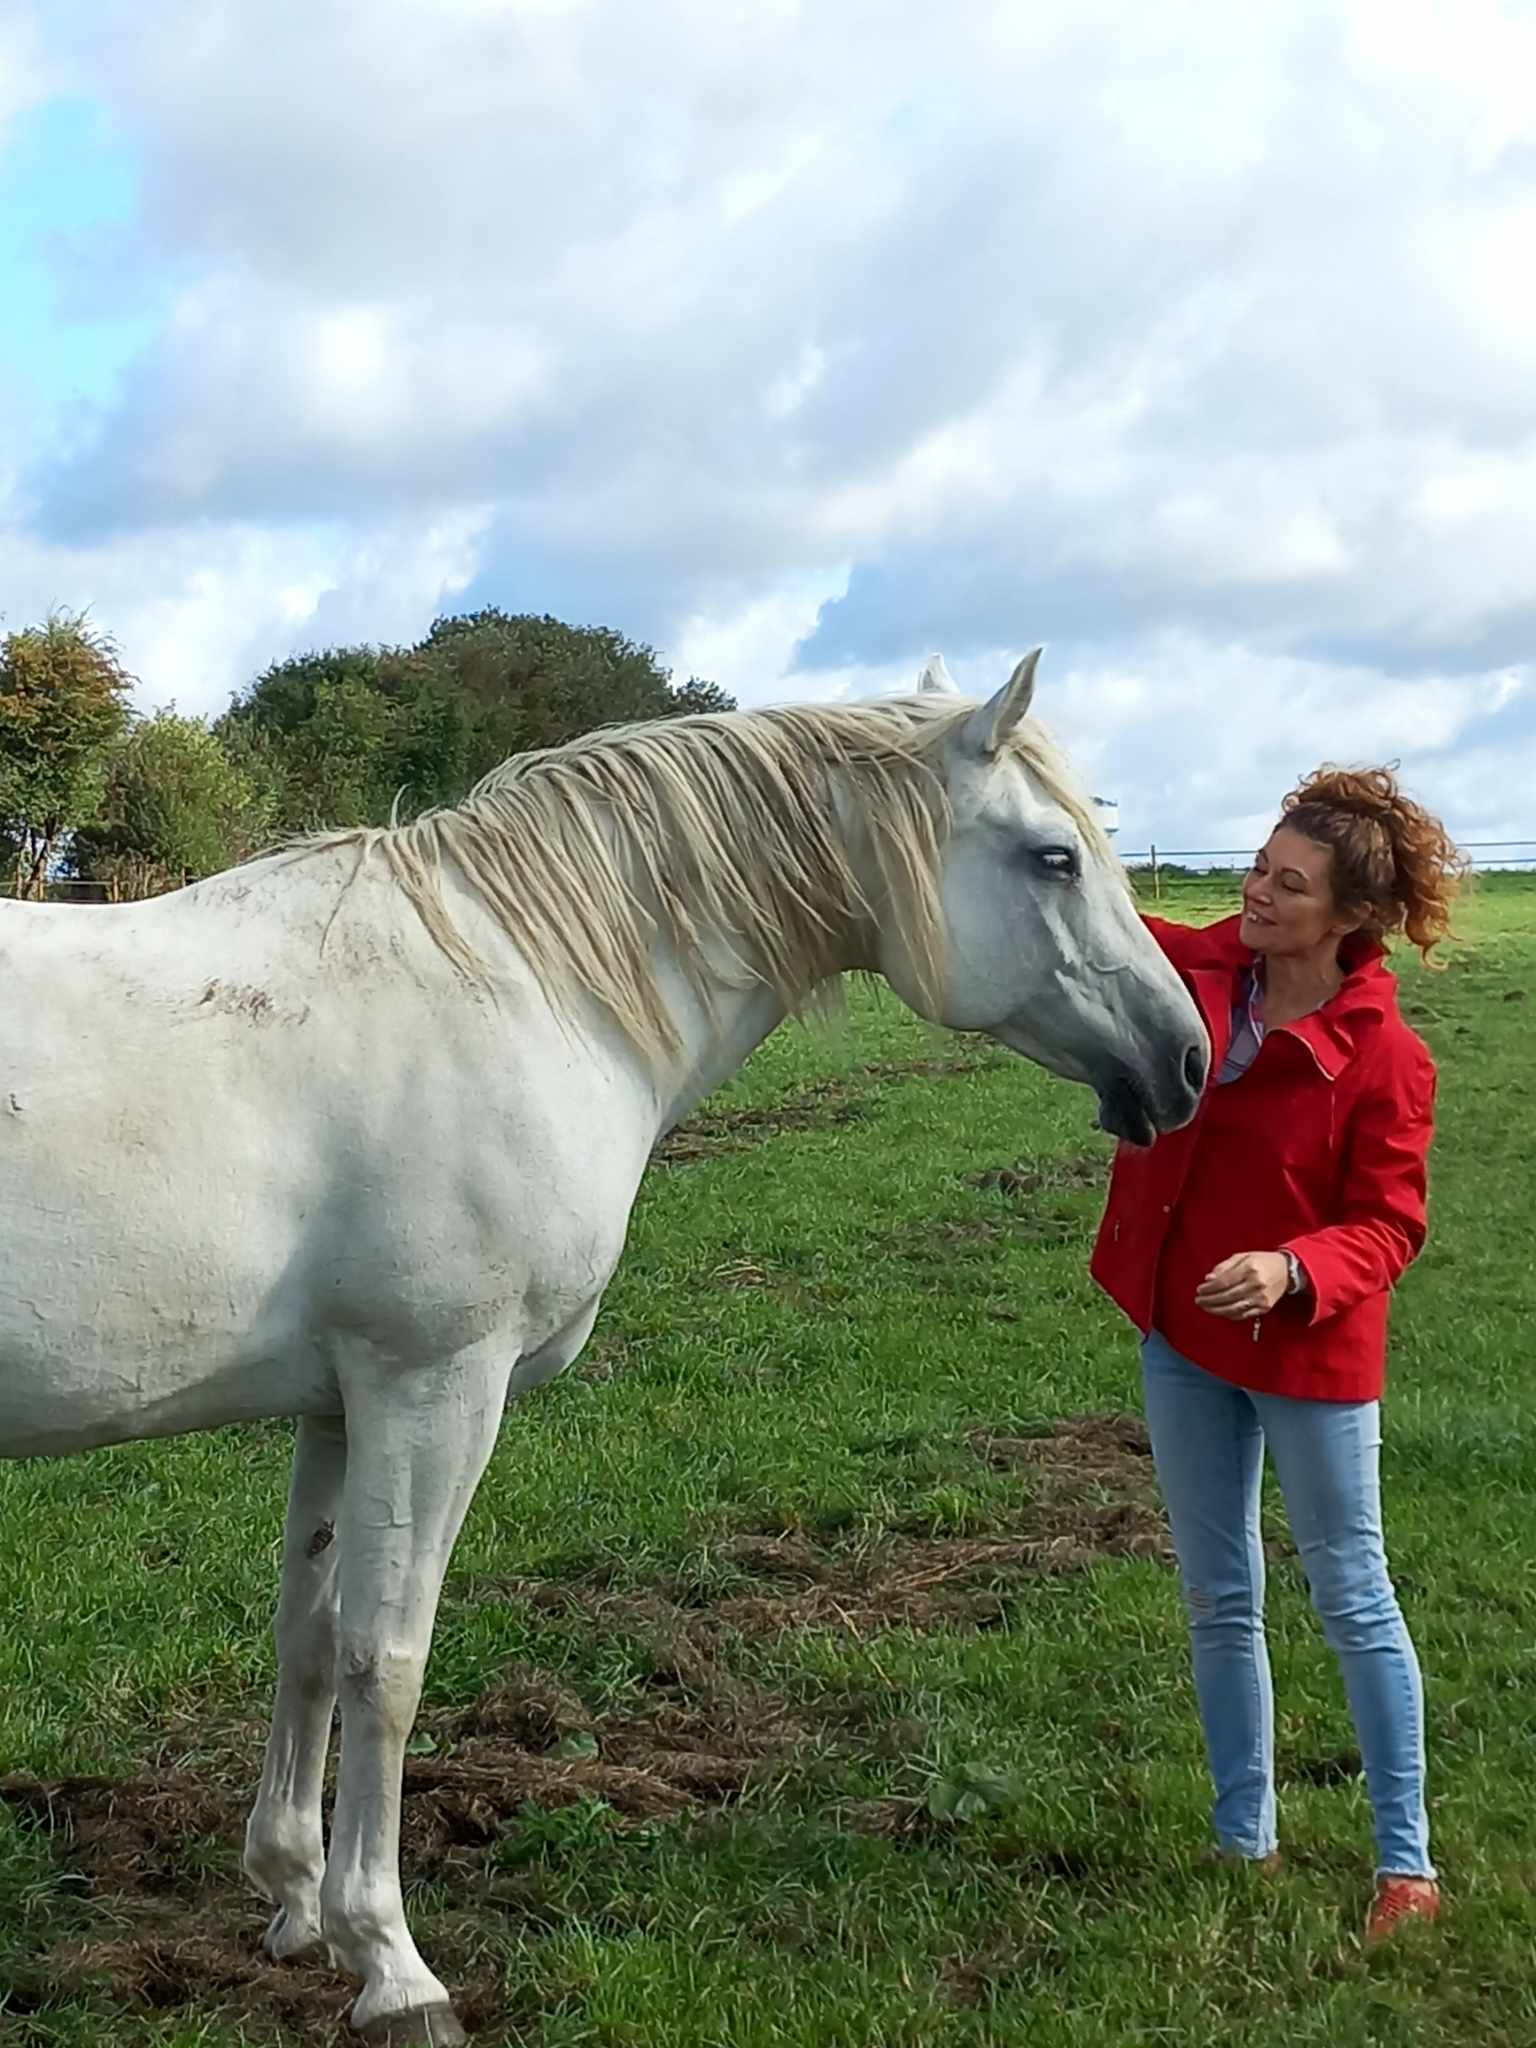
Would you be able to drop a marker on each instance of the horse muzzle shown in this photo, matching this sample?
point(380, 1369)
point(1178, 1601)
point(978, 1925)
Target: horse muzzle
point(1133, 1108)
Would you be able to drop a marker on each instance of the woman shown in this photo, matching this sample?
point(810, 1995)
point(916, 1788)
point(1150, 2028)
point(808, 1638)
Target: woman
point(1256, 1250)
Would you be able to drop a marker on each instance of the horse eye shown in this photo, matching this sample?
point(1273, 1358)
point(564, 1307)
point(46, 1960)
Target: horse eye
point(1060, 860)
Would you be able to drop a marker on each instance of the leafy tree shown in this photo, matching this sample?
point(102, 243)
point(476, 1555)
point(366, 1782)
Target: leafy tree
point(696, 695)
point(348, 732)
point(340, 735)
point(533, 681)
point(63, 702)
point(320, 729)
point(175, 806)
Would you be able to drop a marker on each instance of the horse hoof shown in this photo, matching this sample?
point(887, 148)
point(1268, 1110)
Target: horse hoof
point(422, 2026)
point(314, 1955)
point(285, 1943)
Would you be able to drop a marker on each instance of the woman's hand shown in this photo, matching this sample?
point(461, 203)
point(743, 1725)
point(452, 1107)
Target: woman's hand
point(1248, 1284)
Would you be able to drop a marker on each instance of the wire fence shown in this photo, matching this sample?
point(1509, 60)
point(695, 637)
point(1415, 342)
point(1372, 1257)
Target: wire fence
point(1488, 856)
point(65, 891)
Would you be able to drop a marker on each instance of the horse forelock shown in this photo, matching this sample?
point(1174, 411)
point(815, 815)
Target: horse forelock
point(725, 829)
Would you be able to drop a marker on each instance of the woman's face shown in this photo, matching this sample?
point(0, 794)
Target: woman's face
point(1288, 901)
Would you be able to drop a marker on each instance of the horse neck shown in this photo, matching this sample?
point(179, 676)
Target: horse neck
point(716, 1043)
point(719, 1035)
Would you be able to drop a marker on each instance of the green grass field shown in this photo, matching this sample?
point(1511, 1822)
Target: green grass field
point(795, 1687)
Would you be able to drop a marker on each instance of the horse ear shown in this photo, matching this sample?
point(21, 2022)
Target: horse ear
point(990, 723)
point(935, 680)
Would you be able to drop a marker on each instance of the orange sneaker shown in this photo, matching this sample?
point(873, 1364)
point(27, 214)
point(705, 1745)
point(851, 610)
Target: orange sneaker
point(1398, 1899)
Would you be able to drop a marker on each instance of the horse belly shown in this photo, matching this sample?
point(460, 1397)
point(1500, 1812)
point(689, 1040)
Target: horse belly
point(142, 1288)
point(51, 1408)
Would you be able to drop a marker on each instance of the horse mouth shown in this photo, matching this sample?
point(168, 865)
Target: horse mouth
point(1125, 1113)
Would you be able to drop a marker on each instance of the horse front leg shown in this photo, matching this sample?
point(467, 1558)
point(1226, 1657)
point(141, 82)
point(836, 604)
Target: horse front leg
point(417, 1446)
point(284, 1843)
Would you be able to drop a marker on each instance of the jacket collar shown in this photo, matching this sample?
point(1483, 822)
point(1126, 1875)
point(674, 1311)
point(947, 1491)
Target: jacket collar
point(1335, 1033)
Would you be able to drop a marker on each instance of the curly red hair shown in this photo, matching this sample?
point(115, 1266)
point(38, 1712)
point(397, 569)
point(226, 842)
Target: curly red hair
point(1392, 861)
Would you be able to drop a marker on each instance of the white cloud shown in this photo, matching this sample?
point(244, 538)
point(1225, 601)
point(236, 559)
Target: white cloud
point(1200, 742)
point(753, 644)
point(197, 615)
point(789, 391)
point(24, 69)
point(1195, 339)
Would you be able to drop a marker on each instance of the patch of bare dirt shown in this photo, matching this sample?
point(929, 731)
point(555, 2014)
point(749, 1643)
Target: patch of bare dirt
point(1046, 1175)
point(1112, 1450)
point(962, 1237)
point(165, 1927)
point(932, 1069)
point(713, 1132)
point(971, 1980)
point(752, 1276)
point(709, 1135)
point(940, 1243)
point(167, 1921)
point(171, 1927)
point(1091, 1493)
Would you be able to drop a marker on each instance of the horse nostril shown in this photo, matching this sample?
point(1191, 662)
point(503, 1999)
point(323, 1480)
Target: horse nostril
point(1194, 1068)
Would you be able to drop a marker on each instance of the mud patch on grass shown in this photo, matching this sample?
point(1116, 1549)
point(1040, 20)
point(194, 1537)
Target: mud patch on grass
point(822, 1103)
point(697, 1736)
point(168, 1922)
point(936, 1069)
point(1093, 1489)
point(159, 1919)
point(1090, 1494)
point(160, 1926)
point(1045, 1175)
point(943, 1243)
point(754, 1276)
point(1041, 1205)
point(707, 1136)
point(940, 1239)
point(1110, 1451)
point(976, 1978)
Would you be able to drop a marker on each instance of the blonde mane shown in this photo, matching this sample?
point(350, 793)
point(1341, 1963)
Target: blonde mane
point(692, 831)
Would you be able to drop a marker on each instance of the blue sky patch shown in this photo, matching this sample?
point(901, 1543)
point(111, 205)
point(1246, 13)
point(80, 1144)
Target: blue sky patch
point(65, 184)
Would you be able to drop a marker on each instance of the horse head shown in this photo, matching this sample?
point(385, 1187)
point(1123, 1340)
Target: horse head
point(1043, 948)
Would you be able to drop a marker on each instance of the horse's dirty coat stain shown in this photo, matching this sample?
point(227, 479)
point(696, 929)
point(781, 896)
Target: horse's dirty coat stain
point(254, 1003)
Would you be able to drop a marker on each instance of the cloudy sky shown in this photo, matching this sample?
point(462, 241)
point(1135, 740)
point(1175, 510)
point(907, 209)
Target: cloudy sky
point(801, 338)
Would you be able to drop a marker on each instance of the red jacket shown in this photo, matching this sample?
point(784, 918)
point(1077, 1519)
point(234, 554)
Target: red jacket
point(1319, 1149)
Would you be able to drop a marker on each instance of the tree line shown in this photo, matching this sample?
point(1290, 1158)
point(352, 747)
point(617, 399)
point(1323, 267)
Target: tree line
point(92, 792)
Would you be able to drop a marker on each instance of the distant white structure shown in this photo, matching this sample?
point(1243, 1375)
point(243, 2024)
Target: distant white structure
point(1108, 808)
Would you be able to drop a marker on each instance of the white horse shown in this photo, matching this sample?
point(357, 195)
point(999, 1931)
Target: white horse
point(352, 1134)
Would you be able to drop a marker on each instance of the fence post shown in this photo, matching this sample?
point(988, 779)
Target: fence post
point(1157, 879)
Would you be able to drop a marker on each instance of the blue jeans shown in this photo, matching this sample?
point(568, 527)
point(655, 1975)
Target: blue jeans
point(1208, 1440)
